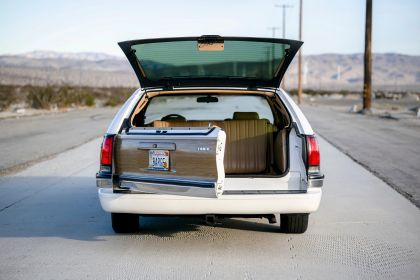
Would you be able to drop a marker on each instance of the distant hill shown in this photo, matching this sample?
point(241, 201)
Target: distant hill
point(84, 69)
point(324, 71)
point(335, 71)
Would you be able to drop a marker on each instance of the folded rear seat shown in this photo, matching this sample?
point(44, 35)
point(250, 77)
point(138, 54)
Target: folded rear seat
point(246, 146)
point(247, 141)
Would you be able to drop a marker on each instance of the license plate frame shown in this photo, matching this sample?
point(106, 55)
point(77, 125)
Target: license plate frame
point(159, 160)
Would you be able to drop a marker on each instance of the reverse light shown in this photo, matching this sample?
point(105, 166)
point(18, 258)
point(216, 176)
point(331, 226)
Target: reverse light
point(106, 151)
point(313, 154)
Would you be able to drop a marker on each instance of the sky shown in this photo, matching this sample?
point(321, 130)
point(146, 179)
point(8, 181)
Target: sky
point(329, 26)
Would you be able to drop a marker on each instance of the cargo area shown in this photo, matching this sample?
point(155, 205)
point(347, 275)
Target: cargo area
point(188, 147)
point(253, 146)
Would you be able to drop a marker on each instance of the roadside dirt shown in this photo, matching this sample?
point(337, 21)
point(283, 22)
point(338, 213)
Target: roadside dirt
point(386, 142)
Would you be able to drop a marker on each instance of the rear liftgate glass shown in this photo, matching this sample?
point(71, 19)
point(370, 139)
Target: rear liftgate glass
point(210, 61)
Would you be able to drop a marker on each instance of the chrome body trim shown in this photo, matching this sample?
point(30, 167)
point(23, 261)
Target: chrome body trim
point(173, 187)
point(297, 116)
point(124, 112)
point(156, 146)
point(315, 183)
point(236, 192)
point(103, 183)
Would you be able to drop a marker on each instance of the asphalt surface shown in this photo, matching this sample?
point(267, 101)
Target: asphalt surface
point(29, 139)
point(387, 147)
point(52, 227)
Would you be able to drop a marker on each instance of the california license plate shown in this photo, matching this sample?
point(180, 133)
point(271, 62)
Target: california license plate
point(159, 159)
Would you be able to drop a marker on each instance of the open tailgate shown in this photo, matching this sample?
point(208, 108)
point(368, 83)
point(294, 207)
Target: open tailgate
point(181, 161)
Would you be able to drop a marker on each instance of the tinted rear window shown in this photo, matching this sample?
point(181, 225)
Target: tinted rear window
point(183, 59)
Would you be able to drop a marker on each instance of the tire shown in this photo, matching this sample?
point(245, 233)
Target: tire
point(294, 223)
point(125, 223)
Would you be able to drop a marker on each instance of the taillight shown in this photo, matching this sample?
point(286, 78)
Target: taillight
point(106, 150)
point(313, 154)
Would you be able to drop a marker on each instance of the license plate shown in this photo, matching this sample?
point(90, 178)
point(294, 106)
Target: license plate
point(159, 160)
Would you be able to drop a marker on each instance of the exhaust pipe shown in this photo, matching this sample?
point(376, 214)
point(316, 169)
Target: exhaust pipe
point(212, 220)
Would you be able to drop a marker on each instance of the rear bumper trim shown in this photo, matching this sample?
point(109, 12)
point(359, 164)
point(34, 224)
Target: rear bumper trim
point(185, 183)
point(103, 180)
point(235, 192)
point(316, 181)
point(167, 204)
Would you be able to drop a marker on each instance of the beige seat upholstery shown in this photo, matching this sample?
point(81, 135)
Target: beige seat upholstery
point(247, 142)
point(246, 146)
point(280, 151)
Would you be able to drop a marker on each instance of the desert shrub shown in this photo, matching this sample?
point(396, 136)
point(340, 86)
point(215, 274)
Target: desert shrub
point(83, 96)
point(64, 96)
point(7, 97)
point(41, 97)
point(47, 97)
point(89, 100)
point(118, 96)
point(111, 101)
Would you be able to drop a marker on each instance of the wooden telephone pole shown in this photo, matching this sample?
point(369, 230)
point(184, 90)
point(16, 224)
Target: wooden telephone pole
point(284, 7)
point(300, 56)
point(367, 86)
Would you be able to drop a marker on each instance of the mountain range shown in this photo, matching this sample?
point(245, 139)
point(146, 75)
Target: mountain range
point(324, 71)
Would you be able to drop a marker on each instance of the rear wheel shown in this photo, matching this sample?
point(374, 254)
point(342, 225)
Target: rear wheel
point(294, 223)
point(125, 223)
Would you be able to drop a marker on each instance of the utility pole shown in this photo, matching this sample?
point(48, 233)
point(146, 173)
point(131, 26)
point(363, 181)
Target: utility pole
point(300, 56)
point(367, 86)
point(273, 31)
point(273, 34)
point(284, 7)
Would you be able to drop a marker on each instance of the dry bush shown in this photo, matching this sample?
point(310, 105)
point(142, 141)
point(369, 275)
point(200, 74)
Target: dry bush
point(7, 97)
point(54, 96)
point(41, 97)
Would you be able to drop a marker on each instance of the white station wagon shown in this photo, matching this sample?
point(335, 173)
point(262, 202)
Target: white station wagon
point(210, 133)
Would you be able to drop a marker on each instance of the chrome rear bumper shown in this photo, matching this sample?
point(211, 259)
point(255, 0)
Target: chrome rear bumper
point(226, 204)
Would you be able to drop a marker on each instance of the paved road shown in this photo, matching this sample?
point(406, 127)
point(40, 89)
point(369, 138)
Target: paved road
point(388, 147)
point(52, 227)
point(27, 140)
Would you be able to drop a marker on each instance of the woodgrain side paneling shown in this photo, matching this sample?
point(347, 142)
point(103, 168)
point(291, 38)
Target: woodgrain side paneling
point(187, 161)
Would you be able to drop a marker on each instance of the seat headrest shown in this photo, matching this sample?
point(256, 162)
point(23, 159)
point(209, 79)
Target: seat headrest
point(246, 116)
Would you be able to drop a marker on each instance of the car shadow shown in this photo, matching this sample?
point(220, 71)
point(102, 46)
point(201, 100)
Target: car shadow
point(68, 207)
point(171, 226)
